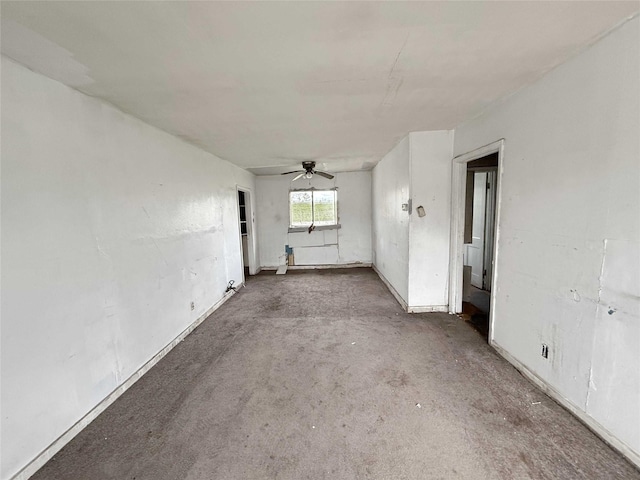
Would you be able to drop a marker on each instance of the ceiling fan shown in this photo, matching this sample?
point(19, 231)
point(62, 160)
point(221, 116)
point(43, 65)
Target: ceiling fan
point(308, 171)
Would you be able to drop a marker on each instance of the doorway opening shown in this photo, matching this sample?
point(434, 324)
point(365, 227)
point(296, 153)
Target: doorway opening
point(246, 235)
point(474, 236)
point(480, 213)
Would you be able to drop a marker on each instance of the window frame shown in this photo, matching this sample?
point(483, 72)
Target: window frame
point(313, 191)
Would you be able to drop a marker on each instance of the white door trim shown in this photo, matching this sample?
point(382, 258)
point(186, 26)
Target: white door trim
point(458, 179)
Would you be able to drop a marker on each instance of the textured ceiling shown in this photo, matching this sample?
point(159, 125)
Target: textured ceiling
point(270, 84)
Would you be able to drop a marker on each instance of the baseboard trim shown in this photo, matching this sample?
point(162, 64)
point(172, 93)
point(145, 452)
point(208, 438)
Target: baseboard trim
point(428, 309)
point(322, 267)
point(393, 291)
point(587, 420)
point(43, 457)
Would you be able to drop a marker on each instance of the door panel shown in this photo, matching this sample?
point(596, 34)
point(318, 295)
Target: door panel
point(475, 250)
point(490, 221)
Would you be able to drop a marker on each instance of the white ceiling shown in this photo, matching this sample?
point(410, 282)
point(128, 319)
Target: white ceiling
point(270, 84)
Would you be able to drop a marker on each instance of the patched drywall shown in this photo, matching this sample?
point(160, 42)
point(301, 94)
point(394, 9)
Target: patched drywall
point(349, 244)
point(570, 229)
point(110, 229)
point(390, 189)
point(429, 236)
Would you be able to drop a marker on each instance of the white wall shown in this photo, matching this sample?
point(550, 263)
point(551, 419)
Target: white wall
point(110, 229)
point(431, 154)
point(351, 243)
point(390, 189)
point(569, 246)
point(412, 252)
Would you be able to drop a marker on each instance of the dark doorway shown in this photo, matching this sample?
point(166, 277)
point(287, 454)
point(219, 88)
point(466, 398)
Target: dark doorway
point(480, 215)
point(244, 230)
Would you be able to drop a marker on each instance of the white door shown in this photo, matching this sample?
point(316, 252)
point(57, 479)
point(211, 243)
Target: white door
point(475, 250)
point(490, 222)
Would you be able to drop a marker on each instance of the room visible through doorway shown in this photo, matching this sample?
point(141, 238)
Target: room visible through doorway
point(479, 235)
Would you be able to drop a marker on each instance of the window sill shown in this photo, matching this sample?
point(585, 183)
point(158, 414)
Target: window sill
point(318, 228)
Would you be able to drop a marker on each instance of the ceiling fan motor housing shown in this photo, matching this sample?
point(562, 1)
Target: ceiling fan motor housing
point(309, 170)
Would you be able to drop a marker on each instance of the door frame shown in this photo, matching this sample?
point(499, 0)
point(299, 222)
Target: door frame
point(458, 190)
point(489, 233)
point(477, 214)
point(251, 240)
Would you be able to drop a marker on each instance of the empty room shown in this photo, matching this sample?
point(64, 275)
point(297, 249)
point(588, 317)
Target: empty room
point(320, 240)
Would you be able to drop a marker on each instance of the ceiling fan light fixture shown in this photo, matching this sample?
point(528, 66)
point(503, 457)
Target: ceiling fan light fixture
point(308, 171)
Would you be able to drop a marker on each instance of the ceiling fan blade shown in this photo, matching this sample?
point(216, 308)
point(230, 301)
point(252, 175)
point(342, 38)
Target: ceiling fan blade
point(299, 176)
point(294, 171)
point(324, 174)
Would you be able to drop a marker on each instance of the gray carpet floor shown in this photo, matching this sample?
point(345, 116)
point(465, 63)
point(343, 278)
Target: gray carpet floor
point(321, 375)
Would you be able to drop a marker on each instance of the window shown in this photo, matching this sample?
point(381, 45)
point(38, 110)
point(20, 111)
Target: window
point(317, 207)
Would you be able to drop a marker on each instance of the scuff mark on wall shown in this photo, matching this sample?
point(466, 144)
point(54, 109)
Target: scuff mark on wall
point(601, 276)
point(160, 252)
point(590, 385)
point(101, 250)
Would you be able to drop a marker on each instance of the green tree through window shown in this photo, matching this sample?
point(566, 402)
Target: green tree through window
point(316, 207)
